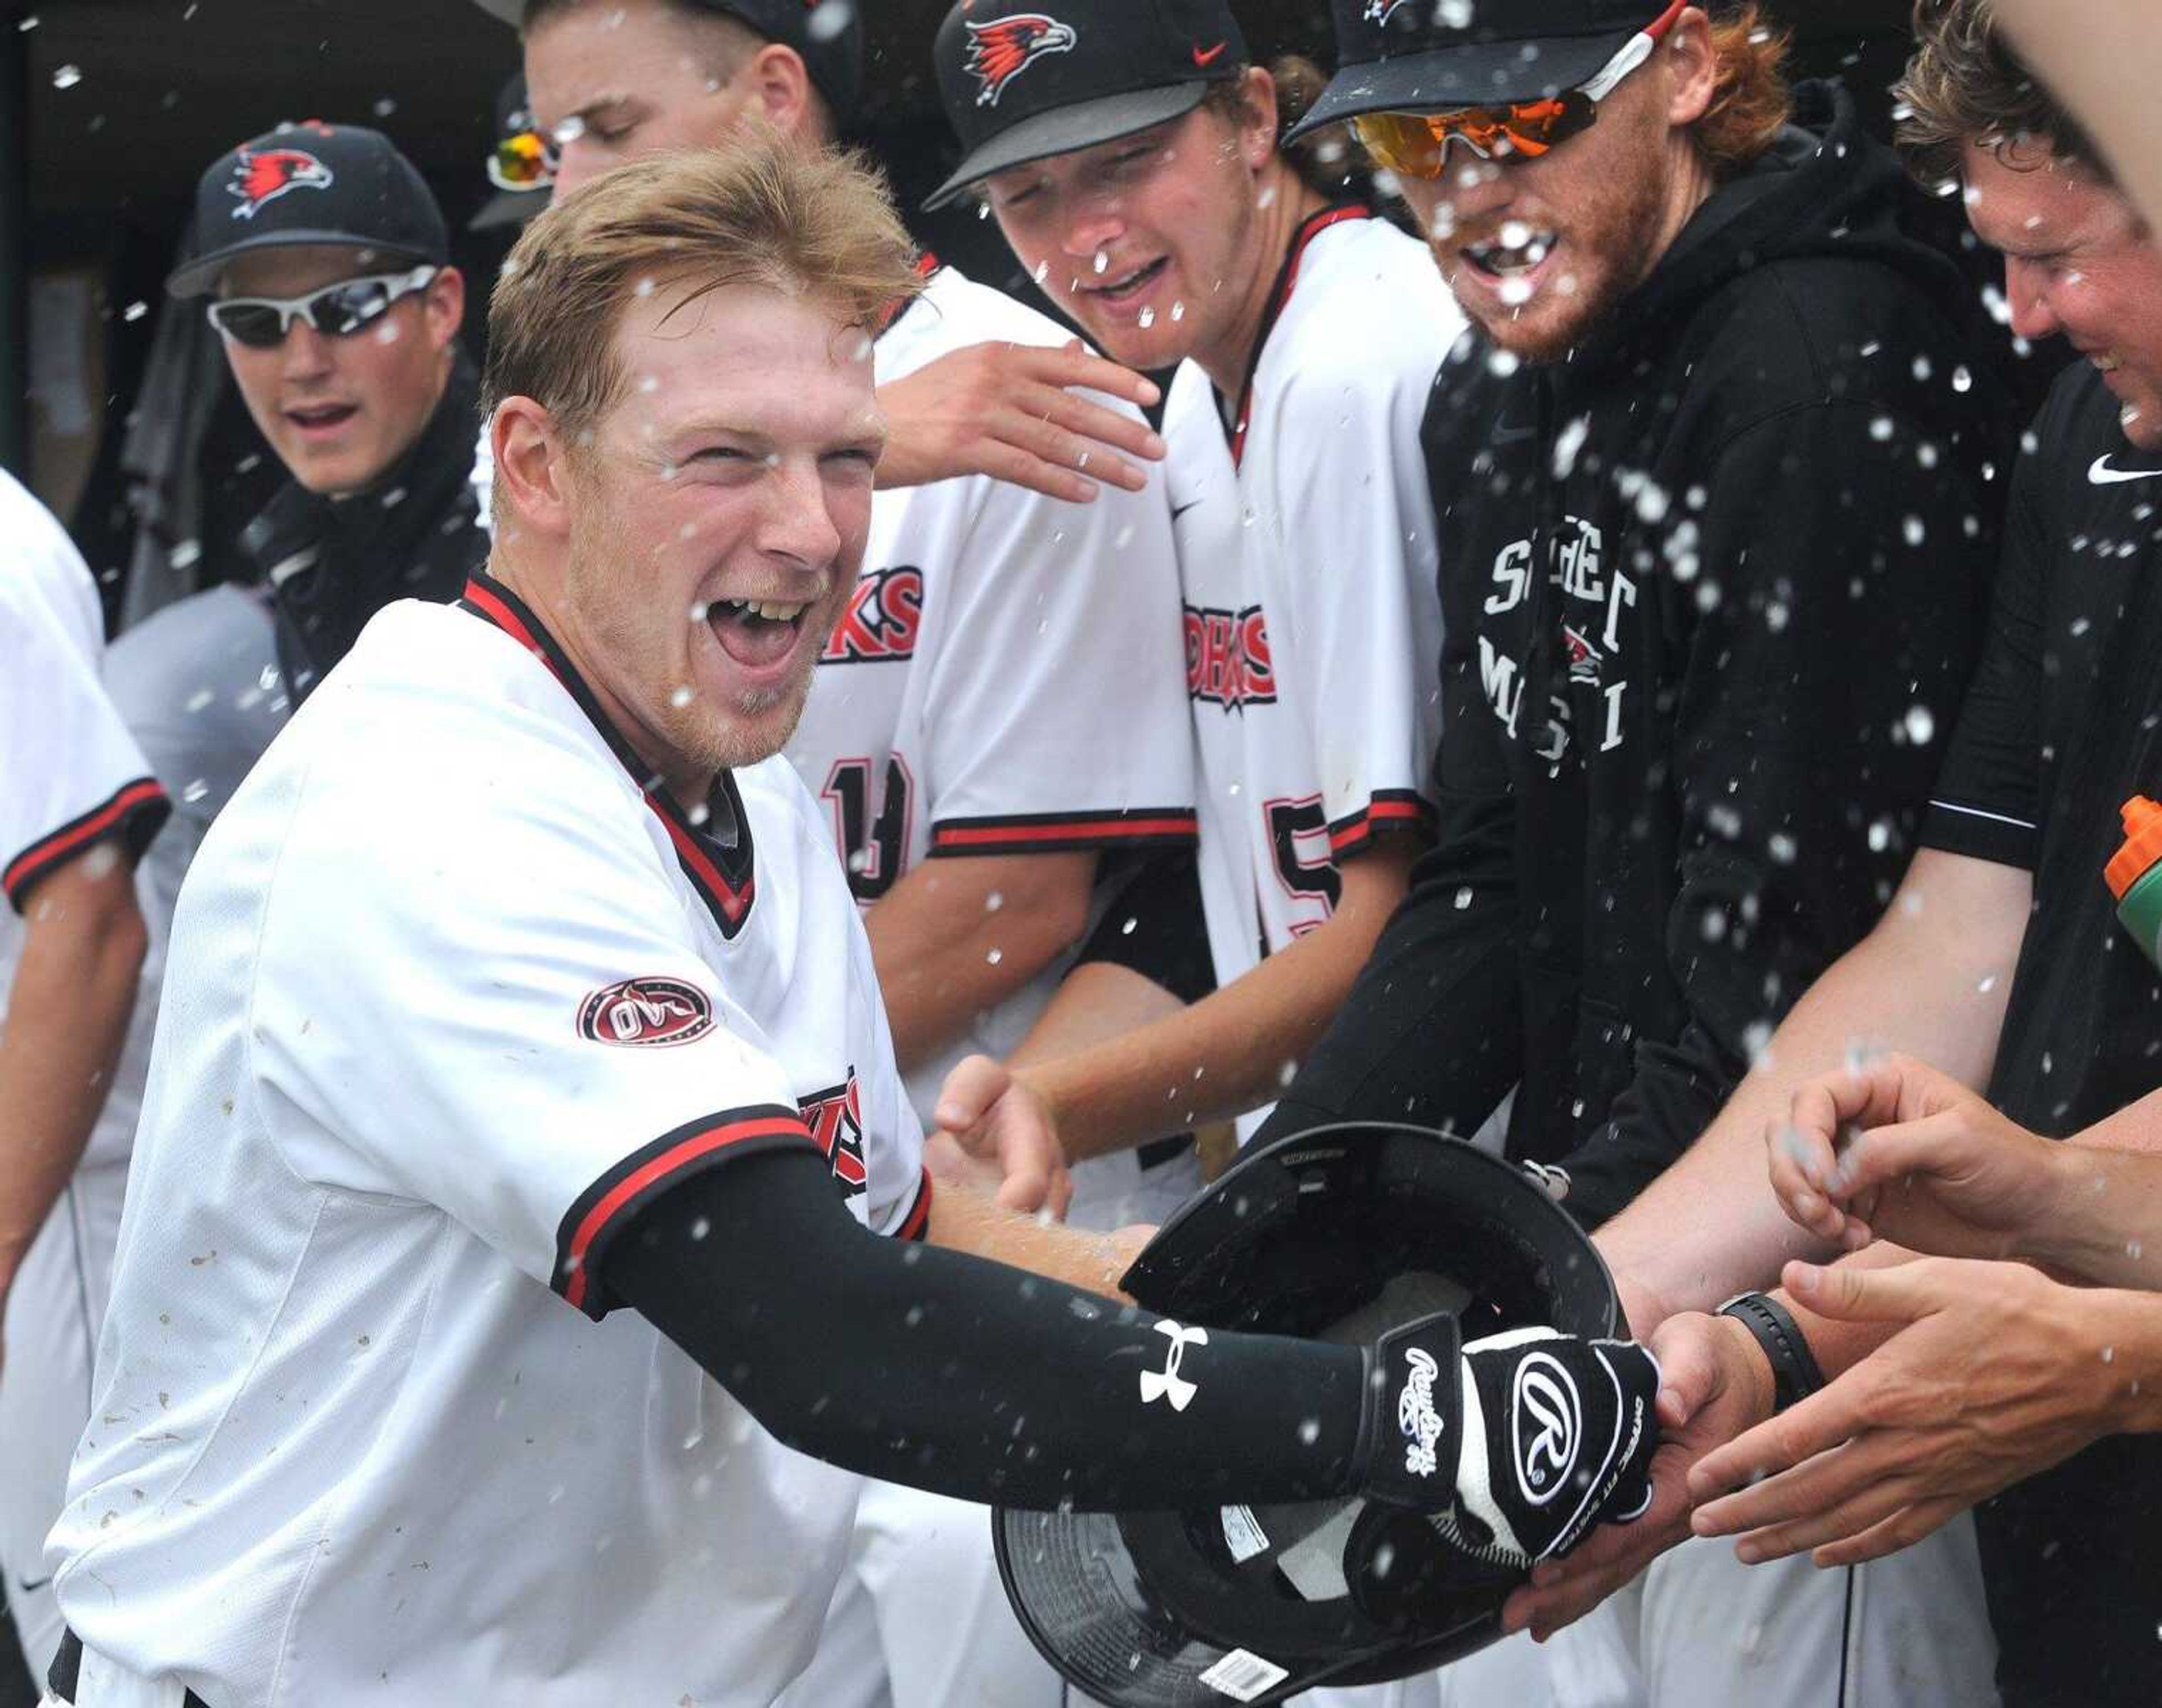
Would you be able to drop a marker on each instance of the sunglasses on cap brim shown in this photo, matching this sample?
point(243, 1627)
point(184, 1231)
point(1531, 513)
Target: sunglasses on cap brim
point(526, 160)
point(1416, 144)
point(336, 311)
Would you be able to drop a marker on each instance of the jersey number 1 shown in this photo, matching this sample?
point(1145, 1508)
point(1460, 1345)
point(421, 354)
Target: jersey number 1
point(873, 850)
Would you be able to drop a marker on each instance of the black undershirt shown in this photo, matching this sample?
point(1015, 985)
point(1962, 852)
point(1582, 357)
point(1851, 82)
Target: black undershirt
point(948, 1372)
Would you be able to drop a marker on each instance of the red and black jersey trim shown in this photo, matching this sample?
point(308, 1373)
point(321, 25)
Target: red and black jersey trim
point(1390, 809)
point(915, 1227)
point(1058, 833)
point(134, 812)
point(926, 264)
point(1279, 296)
point(721, 868)
point(612, 1202)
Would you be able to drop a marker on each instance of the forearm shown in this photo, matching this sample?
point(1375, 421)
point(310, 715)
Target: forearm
point(939, 1370)
point(955, 937)
point(965, 1220)
point(1234, 1050)
point(66, 1019)
point(1962, 922)
point(2102, 1219)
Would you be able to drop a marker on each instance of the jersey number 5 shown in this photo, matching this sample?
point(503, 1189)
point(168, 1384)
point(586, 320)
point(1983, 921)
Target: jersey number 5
point(873, 850)
point(1299, 834)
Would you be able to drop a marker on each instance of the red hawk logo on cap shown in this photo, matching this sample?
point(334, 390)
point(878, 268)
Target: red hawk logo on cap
point(1379, 11)
point(1002, 50)
point(264, 175)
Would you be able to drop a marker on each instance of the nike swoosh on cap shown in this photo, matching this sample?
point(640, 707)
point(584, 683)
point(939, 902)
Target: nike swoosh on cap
point(28, 1588)
point(2101, 474)
point(1208, 57)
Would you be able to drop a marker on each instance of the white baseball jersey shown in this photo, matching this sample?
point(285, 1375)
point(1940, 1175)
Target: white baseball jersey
point(1006, 679)
point(72, 783)
point(1307, 555)
point(452, 997)
point(73, 776)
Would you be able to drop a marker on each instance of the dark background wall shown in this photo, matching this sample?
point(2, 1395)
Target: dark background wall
point(129, 100)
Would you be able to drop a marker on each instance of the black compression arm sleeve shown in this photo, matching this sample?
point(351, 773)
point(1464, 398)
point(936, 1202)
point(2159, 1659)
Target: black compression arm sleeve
point(932, 1368)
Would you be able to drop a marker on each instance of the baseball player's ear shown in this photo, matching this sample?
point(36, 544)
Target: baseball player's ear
point(447, 306)
point(1257, 116)
point(530, 465)
point(1694, 68)
point(781, 85)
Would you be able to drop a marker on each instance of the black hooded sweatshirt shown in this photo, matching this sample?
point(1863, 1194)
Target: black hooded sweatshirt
point(1712, 587)
point(333, 563)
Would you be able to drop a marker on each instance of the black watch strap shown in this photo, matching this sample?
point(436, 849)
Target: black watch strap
point(1795, 1373)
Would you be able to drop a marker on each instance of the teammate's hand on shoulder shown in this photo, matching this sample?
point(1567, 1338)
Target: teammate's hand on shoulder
point(1012, 411)
point(1714, 1383)
point(1900, 1152)
point(989, 1114)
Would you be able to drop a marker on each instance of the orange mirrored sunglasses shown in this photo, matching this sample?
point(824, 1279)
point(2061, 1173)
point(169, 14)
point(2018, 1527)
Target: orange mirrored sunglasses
point(1416, 144)
point(524, 161)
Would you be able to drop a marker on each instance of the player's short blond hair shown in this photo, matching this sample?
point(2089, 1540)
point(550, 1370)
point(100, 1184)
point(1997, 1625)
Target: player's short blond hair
point(758, 209)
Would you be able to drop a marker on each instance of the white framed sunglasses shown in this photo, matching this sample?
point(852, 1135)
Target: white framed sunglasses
point(335, 310)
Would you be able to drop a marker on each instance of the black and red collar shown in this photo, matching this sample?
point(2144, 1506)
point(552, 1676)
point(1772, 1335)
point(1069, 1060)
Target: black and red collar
point(1279, 296)
point(716, 857)
point(926, 264)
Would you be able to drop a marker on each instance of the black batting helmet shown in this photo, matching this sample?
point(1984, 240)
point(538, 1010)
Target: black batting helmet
point(1341, 1233)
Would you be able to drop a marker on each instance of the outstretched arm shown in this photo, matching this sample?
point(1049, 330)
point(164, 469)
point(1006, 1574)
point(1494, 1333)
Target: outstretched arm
point(938, 1369)
point(1895, 1150)
point(1992, 1373)
point(1014, 412)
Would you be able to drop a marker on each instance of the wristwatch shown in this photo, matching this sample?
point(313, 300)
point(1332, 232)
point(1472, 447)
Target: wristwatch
point(1795, 1373)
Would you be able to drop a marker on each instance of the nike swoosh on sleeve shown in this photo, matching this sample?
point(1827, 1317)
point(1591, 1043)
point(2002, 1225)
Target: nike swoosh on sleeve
point(2101, 474)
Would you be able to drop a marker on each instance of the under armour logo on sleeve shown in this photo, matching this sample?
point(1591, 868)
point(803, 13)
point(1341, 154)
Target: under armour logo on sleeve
point(1167, 1383)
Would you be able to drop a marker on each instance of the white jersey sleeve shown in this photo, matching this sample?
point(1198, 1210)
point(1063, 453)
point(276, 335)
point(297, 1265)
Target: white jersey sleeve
point(1057, 673)
point(74, 777)
point(525, 1036)
point(1358, 664)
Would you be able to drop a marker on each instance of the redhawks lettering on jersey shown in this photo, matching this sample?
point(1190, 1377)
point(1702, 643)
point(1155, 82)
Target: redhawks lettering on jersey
point(649, 1011)
point(884, 617)
point(1228, 662)
point(835, 1117)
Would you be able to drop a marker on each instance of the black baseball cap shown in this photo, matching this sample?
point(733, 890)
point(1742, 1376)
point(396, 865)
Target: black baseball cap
point(311, 183)
point(1022, 83)
point(1440, 56)
point(829, 34)
point(511, 206)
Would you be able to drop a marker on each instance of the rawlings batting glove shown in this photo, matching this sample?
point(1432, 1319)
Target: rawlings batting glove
point(1516, 1445)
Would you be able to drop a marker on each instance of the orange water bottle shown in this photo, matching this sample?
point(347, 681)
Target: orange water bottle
point(2134, 876)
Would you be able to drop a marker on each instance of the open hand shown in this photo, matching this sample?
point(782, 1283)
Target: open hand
point(1014, 412)
point(990, 1115)
point(1995, 1373)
